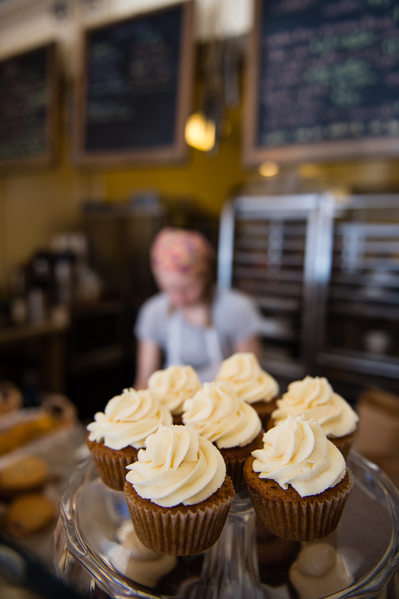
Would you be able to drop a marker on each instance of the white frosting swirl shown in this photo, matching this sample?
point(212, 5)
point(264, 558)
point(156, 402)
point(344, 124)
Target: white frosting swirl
point(218, 414)
point(128, 419)
point(174, 385)
point(313, 397)
point(243, 371)
point(177, 466)
point(297, 452)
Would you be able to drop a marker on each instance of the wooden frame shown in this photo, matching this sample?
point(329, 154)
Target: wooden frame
point(48, 157)
point(177, 149)
point(254, 153)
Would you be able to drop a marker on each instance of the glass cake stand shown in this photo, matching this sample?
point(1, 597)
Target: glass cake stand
point(237, 566)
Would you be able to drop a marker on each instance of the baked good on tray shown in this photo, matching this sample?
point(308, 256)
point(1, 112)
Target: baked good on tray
point(23, 426)
point(26, 430)
point(177, 492)
point(29, 513)
point(219, 415)
point(120, 431)
point(10, 398)
point(251, 383)
point(298, 482)
point(313, 397)
point(27, 473)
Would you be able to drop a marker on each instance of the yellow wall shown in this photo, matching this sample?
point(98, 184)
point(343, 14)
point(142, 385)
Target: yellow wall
point(35, 205)
point(207, 178)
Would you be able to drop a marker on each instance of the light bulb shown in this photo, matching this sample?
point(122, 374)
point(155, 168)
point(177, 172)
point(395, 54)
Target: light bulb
point(199, 132)
point(268, 169)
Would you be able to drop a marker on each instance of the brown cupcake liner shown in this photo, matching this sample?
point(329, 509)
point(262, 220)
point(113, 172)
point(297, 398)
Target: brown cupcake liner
point(344, 443)
point(180, 530)
point(235, 469)
point(111, 463)
point(235, 458)
point(290, 516)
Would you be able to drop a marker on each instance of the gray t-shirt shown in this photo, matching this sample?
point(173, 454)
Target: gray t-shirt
point(234, 318)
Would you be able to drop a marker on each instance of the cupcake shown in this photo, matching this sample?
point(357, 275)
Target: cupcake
point(173, 386)
point(298, 482)
point(177, 492)
point(251, 383)
point(219, 415)
point(313, 397)
point(120, 431)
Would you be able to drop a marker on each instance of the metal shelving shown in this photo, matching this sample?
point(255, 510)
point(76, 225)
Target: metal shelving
point(324, 272)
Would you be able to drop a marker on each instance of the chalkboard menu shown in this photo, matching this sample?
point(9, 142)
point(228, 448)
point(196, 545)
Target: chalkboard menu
point(29, 108)
point(323, 80)
point(134, 93)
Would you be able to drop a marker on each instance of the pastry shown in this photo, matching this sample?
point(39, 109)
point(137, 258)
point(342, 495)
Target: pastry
point(60, 408)
point(313, 397)
point(173, 386)
point(298, 482)
point(251, 383)
point(219, 415)
point(29, 513)
point(178, 493)
point(120, 431)
point(22, 433)
point(10, 398)
point(24, 474)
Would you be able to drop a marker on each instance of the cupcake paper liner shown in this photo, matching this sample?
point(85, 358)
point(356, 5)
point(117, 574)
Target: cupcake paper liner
point(344, 444)
point(290, 516)
point(180, 530)
point(111, 464)
point(235, 458)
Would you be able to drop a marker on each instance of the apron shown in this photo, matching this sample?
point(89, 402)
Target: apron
point(174, 345)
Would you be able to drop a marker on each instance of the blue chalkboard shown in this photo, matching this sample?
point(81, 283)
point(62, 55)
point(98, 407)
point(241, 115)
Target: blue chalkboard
point(325, 80)
point(135, 94)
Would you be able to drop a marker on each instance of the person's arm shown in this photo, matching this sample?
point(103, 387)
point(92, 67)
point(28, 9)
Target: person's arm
point(148, 360)
point(250, 344)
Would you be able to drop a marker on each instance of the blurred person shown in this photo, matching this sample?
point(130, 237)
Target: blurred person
point(191, 321)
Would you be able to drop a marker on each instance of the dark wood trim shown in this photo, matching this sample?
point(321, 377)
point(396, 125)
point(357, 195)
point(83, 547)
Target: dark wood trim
point(253, 154)
point(175, 152)
point(52, 118)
